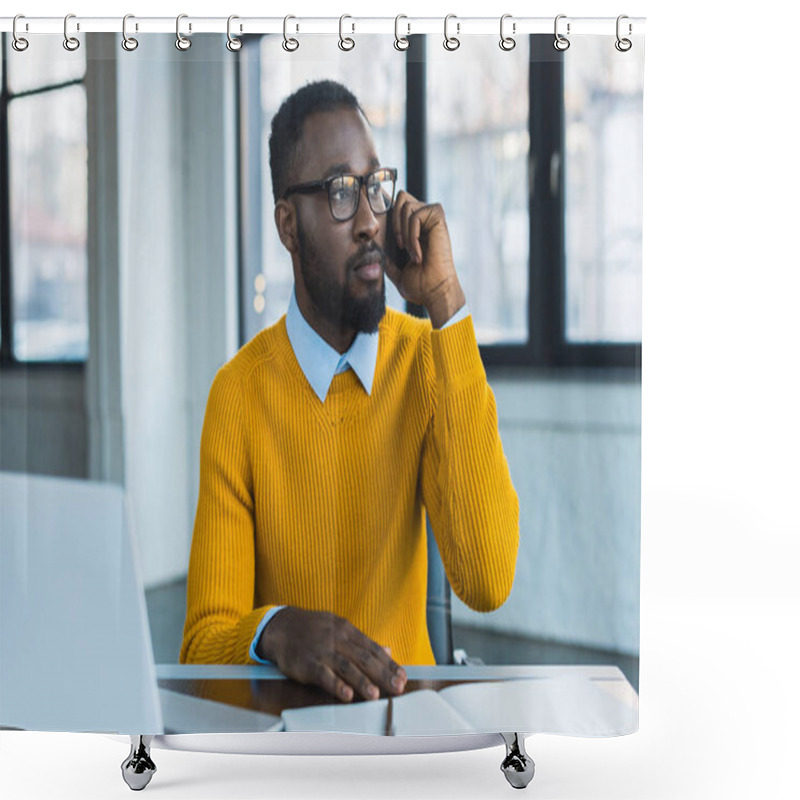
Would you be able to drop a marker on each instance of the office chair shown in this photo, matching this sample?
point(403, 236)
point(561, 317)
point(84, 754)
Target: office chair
point(439, 617)
point(440, 623)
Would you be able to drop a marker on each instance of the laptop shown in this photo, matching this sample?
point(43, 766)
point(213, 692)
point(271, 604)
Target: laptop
point(75, 647)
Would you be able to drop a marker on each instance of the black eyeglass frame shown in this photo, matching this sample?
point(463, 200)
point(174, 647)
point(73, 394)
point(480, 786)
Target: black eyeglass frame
point(324, 185)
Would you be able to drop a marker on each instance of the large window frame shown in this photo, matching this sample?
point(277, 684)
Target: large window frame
point(547, 347)
point(7, 357)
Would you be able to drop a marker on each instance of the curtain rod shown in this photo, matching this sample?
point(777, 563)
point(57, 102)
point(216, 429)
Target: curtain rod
point(459, 26)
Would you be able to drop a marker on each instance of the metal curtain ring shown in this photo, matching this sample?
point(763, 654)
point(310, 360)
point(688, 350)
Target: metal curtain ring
point(560, 43)
point(451, 42)
point(400, 42)
point(128, 42)
point(70, 42)
point(507, 42)
point(19, 44)
point(289, 44)
point(233, 44)
point(181, 42)
point(345, 43)
point(623, 45)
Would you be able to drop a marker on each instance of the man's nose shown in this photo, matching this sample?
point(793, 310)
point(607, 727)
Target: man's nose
point(366, 220)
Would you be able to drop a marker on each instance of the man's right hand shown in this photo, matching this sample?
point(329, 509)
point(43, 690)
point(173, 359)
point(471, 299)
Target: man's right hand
point(319, 647)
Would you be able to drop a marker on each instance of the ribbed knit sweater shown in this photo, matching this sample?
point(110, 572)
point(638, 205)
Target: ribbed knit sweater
point(322, 505)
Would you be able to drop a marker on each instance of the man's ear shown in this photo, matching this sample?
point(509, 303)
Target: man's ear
point(286, 223)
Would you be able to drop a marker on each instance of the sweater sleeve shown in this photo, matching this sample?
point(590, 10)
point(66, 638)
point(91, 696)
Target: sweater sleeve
point(466, 484)
point(220, 619)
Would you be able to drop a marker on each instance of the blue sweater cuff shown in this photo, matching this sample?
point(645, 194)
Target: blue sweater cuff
point(462, 313)
point(263, 624)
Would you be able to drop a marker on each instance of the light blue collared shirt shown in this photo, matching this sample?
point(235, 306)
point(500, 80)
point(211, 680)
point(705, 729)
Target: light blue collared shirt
point(320, 362)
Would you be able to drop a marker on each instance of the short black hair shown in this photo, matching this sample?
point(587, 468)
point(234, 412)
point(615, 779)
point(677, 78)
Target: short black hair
point(287, 125)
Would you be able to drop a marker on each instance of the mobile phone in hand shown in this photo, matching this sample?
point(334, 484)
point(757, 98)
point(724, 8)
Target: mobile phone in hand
point(398, 256)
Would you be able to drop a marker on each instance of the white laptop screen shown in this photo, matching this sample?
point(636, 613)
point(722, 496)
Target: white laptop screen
point(75, 645)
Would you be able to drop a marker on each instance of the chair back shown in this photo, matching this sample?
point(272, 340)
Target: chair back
point(440, 628)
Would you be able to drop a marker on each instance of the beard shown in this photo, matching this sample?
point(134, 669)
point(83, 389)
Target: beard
point(337, 303)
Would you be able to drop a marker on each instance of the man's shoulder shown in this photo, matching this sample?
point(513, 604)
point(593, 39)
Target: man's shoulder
point(263, 348)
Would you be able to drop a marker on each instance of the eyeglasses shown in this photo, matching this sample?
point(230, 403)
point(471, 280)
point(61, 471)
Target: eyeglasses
point(344, 192)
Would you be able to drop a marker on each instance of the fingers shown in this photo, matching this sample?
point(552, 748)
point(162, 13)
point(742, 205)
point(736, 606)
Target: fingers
point(409, 240)
point(354, 677)
point(325, 677)
point(329, 651)
point(415, 222)
point(338, 674)
point(397, 218)
point(412, 220)
point(376, 664)
point(403, 211)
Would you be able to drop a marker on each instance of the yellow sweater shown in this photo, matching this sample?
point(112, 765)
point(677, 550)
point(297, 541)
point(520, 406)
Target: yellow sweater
point(321, 505)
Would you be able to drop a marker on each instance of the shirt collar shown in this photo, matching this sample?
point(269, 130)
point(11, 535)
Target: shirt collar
point(320, 362)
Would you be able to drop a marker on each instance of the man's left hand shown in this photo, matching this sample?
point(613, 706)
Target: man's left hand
point(429, 278)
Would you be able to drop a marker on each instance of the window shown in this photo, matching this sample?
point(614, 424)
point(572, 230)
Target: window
point(477, 143)
point(376, 75)
point(536, 156)
point(603, 163)
point(43, 204)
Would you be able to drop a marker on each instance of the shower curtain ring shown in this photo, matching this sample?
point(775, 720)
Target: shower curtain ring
point(128, 42)
point(19, 43)
point(623, 45)
point(289, 44)
point(70, 42)
point(507, 42)
point(346, 43)
point(561, 43)
point(182, 43)
point(451, 42)
point(401, 42)
point(233, 44)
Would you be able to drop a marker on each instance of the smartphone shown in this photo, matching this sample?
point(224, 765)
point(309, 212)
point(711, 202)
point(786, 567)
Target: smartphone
point(399, 257)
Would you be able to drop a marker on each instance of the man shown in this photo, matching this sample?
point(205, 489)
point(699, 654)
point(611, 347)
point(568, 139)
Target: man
point(330, 435)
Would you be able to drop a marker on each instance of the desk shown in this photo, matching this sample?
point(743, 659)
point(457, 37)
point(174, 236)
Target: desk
point(256, 710)
point(474, 702)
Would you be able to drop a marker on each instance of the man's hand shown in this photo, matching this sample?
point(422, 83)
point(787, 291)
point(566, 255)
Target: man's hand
point(429, 278)
point(321, 648)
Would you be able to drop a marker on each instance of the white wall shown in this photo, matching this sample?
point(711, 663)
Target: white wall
point(178, 278)
point(43, 426)
point(574, 452)
point(153, 312)
point(162, 276)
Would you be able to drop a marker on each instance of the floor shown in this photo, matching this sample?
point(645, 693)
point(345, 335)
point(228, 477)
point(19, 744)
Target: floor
point(166, 607)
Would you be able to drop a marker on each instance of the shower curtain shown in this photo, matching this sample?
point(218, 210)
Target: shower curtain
point(140, 254)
